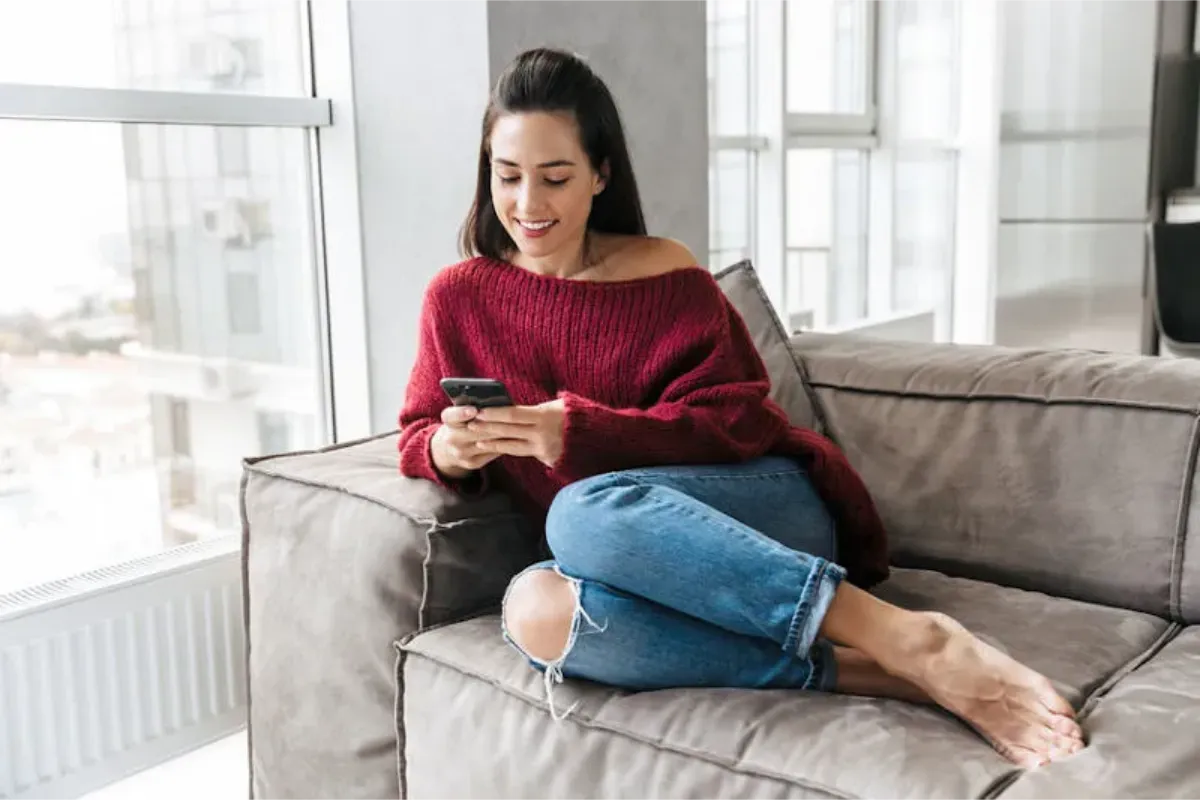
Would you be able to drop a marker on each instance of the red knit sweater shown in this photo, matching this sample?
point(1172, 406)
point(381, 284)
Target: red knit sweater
point(652, 372)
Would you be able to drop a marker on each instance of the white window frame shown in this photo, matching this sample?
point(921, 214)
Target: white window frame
point(775, 131)
point(334, 180)
point(343, 369)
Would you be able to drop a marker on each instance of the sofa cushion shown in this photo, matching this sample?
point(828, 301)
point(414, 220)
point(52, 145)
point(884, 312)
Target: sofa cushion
point(1066, 472)
point(789, 384)
point(342, 556)
point(734, 743)
point(1144, 735)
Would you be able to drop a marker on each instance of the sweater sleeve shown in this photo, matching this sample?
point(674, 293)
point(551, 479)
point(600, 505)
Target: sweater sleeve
point(424, 402)
point(714, 407)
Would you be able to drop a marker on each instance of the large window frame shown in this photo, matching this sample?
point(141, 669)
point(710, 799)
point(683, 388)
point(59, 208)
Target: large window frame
point(332, 178)
point(332, 211)
point(775, 131)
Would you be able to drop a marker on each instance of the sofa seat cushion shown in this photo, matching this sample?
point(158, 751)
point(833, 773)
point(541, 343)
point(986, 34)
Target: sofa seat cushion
point(1145, 735)
point(468, 692)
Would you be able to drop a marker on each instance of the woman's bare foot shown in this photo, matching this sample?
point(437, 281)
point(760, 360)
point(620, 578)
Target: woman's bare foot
point(1010, 705)
point(858, 673)
point(1013, 707)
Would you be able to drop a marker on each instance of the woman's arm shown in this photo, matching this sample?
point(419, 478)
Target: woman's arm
point(716, 407)
point(421, 418)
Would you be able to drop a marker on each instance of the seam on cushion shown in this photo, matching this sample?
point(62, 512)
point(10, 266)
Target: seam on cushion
point(398, 724)
point(252, 461)
point(797, 363)
point(1129, 667)
point(1001, 784)
point(489, 611)
point(584, 721)
point(423, 605)
point(1018, 398)
point(419, 520)
point(814, 402)
point(1181, 531)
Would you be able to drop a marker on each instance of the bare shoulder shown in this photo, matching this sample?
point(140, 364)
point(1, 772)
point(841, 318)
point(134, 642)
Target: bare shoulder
point(647, 256)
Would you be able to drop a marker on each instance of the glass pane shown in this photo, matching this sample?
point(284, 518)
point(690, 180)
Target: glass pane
point(828, 55)
point(1076, 114)
point(926, 69)
point(151, 317)
point(923, 231)
point(728, 68)
point(1094, 300)
point(245, 46)
point(730, 175)
point(1077, 94)
point(827, 213)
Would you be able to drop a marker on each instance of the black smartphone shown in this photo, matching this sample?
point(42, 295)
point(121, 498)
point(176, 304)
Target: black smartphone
point(478, 392)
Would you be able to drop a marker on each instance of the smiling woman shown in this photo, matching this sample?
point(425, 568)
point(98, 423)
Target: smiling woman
point(700, 537)
point(553, 166)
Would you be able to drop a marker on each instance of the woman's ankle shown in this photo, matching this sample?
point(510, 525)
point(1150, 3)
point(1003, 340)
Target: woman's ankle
point(860, 620)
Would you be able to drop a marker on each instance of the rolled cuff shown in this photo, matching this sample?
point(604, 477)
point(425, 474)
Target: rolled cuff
point(814, 603)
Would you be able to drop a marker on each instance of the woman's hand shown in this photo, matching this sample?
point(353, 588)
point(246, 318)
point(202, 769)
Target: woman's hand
point(527, 431)
point(455, 448)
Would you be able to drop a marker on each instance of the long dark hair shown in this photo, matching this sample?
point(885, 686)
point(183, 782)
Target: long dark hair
point(553, 81)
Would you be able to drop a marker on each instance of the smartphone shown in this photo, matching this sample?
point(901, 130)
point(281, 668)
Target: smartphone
point(478, 392)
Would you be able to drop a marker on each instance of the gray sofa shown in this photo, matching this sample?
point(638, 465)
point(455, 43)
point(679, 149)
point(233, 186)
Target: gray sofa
point(1045, 499)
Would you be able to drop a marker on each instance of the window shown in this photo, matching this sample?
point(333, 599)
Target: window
point(828, 55)
point(232, 152)
point(245, 318)
point(850, 117)
point(274, 432)
point(826, 277)
point(729, 191)
point(729, 77)
point(253, 48)
point(127, 390)
point(92, 335)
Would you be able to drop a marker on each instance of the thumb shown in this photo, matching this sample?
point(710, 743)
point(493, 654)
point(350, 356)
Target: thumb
point(459, 415)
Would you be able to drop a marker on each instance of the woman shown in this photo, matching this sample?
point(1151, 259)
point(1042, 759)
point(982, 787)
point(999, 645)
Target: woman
point(692, 528)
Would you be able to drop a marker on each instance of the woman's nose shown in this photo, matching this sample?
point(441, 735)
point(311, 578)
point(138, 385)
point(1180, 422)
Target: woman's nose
point(528, 198)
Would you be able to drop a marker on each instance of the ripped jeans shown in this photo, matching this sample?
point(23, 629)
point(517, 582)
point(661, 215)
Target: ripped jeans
point(713, 576)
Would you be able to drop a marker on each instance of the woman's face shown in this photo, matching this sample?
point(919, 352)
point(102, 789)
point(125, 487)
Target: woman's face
point(542, 182)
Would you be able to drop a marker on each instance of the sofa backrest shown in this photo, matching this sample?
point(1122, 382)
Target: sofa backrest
point(1067, 472)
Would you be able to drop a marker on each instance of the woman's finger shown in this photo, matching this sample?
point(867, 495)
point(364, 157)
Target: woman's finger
point(512, 415)
point(499, 430)
point(457, 416)
point(508, 447)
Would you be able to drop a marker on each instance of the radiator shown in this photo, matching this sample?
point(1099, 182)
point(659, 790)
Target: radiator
point(116, 670)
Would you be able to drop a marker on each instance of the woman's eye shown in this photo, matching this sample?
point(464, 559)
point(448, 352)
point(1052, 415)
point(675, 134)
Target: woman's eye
point(559, 182)
point(508, 180)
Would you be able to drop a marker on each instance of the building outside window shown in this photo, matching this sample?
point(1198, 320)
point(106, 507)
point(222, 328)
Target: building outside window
point(161, 288)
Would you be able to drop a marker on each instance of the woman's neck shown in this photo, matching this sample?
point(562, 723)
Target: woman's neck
point(586, 256)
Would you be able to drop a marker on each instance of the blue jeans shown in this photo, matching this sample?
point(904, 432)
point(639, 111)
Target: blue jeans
point(695, 576)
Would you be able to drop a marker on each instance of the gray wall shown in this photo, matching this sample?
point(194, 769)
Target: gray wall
point(420, 83)
point(422, 70)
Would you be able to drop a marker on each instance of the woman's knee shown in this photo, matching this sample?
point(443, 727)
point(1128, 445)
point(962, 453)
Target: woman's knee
point(539, 611)
point(587, 517)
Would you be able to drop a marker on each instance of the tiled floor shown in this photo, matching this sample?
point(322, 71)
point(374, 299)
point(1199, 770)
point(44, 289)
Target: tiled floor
point(218, 770)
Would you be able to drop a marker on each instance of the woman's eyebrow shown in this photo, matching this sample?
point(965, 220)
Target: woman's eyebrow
point(562, 162)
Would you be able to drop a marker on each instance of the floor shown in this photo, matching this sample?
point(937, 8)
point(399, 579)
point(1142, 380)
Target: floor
point(218, 770)
point(1072, 317)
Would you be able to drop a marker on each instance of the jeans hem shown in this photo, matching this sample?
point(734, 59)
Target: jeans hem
point(814, 602)
point(824, 668)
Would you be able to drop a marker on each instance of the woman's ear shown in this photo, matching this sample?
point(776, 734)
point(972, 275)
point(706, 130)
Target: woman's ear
point(601, 179)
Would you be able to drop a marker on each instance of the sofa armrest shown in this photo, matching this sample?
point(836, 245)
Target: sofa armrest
point(342, 557)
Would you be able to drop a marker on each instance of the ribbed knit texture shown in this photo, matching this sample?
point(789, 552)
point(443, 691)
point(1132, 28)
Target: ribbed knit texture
point(654, 371)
